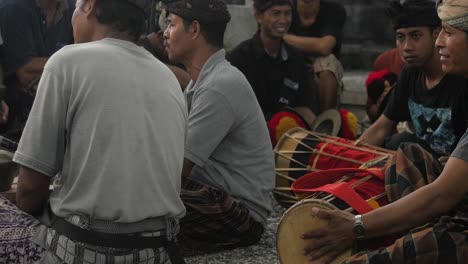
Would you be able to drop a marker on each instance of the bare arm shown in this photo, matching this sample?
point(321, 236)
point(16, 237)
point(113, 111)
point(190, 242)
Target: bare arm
point(31, 70)
point(33, 190)
point(187, 169)
point(376, 134)
point(421, 206)
point(312, 45)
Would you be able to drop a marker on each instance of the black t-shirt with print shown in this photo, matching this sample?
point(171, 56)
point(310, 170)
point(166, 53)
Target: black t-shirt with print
point(439, 115)
point(330, 21)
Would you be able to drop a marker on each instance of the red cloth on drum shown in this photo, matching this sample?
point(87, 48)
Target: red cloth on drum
point(322, 162)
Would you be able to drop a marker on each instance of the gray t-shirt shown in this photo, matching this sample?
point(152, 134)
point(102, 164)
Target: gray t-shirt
point(108, 123)
point(461, 152)
point(228, 138)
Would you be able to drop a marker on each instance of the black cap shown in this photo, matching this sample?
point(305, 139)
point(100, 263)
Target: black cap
point(263, 5)
point(204, 11)
point(413, 13)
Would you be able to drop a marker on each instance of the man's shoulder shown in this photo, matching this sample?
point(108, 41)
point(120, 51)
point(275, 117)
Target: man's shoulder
point(244, 49)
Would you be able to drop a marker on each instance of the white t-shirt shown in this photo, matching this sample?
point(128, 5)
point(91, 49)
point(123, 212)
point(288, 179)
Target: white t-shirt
point(109, 123)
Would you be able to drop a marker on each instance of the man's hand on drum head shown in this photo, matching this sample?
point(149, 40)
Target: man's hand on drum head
point(327, 244)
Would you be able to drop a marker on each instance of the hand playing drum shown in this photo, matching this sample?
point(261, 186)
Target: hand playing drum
point(326, 245)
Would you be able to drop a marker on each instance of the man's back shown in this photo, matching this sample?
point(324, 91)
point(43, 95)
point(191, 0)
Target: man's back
point(119, 144)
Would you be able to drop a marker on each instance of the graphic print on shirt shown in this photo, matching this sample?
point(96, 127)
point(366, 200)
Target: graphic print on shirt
point(434, 125)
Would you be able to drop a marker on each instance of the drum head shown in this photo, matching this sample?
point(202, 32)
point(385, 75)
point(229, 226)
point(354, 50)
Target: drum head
point(296, 221)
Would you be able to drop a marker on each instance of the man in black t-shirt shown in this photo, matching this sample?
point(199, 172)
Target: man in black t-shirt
point(435, 102)
point(317, 31)
point(276, 71)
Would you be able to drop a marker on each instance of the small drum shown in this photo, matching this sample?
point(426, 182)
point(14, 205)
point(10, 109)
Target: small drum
point(295, 222)
point(300, 151)
point(353, 190)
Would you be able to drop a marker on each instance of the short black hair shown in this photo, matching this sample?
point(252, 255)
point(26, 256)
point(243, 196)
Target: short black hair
point(122, 15)
point(212, 32)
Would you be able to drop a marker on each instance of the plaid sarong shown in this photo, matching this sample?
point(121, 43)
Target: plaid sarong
point(214, 220)
point(18, 230)
point(446, 241)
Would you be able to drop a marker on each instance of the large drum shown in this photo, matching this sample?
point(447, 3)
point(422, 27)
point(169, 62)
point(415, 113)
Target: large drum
point(300, 151)
point(352, 190)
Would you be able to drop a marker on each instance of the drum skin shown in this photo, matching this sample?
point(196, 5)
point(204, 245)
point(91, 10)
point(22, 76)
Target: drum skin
point(296, 221)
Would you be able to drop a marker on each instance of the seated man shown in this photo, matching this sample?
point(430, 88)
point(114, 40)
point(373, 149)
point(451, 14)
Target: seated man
point(422, 95)
point(317, 31)
point(32, 31)
point(276, 70)
point(229, 168)
point(442, 203)
point(108, 130)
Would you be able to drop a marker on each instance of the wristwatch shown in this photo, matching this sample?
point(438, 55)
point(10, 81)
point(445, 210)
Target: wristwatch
point(358, 227)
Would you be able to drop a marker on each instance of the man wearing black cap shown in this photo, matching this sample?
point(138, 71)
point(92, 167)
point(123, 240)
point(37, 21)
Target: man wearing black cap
point(439, 115)
point(229, 169)
point(108, 126)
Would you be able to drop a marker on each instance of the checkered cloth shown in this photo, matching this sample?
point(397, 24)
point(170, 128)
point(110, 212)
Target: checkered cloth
point(215, 220)
point(18, 229)
point(445, 241)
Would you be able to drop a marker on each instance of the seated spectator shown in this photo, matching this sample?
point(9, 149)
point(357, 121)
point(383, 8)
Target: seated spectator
point(317, 31)
point(275, 69)
point(32, 31)
point(228, 171)
point(435, 102)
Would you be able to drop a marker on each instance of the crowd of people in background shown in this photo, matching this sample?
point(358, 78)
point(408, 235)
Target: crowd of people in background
point(158, 141)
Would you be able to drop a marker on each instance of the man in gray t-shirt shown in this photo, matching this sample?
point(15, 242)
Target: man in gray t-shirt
point(229, 169)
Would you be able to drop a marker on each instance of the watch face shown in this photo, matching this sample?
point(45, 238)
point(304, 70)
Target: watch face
point(359, 230)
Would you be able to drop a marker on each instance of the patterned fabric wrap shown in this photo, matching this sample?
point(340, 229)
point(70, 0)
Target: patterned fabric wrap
point(16, 230)
point(214, 220)
point(454, 13)
point(446, 241)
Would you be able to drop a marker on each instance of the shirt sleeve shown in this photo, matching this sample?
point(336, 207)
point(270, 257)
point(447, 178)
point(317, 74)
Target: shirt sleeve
point(461, 151)
point(18, 38)
point(211, 117)
point(42, 145)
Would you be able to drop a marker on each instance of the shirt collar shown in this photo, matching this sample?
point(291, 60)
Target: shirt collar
point(260, 51)
point(212, 61)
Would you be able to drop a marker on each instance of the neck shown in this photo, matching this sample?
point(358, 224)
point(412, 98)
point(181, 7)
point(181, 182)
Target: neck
point(195, 63)
point(271, 45)
point(433, 71)
point(104, 31)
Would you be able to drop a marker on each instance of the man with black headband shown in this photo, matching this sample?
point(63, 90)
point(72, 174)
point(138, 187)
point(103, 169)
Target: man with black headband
point(422, 95)
point(107, 127)
point(276, 70)
point(432, 201)
point(229, 169)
